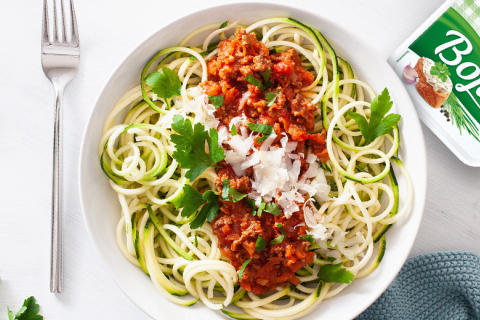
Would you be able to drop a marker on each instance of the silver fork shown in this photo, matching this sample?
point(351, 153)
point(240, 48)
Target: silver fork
point(60, 61)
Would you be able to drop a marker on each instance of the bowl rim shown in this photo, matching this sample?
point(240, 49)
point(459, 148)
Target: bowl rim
point(418, 202)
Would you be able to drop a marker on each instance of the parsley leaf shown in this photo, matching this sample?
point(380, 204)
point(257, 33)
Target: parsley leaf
point(262, 128)
point(190, 200)
point(277, 240)
point(251, 203)
point(271, 97)
point(262, 138)
point(266, 78)
point(307, 237)
point(255, 82)
point(331, 259)
point(223, 25)
point(217, 101)
point(378, 125)
point(244, 265)
point(440, 70)
point(279, 226)
point(216, 152)
point(225, 190)
point(234, 130)
point(334, 273)
point(166, 84)
point(272, 208)
point(261, 208)
point(190, 145)
point(208, 212)
point(28, 311)
point(235, 195)
point(260, 244)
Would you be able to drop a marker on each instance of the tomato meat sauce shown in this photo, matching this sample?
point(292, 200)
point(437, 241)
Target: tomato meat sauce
point(237, 230)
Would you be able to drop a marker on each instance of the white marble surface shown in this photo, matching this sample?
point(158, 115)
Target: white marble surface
point(109, 29)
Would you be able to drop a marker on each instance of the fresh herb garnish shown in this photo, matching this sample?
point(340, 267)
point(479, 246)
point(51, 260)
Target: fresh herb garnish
point(307, 237)
point(255, 82)
point(217, 101)
point(251, 203)
point(260, 244)
point(261, 208)
point(235, 195)
point(225, 188)
point(378, 125)
point(262, 138)
point(208, 212)
point(166, 84)
point(28, 311)
point(440, 70)
point(266, 78)
point(190, 145)
point(190, 200)
point(244, 265)
point(262, 128)
point(195, 242)
point(234, 130)
point(230, 193)
point(280, 226)
point(271, 97)
point(272, 208)
point(331, 259)
point(277, 240)
point(223, 25)
point(335, 273)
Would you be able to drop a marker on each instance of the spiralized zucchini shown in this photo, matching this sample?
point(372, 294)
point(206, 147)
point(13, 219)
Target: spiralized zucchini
point(186, 265)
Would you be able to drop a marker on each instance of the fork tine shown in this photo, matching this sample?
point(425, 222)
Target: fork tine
point(75, 39)
point(55, 29)
point(45, 28)
point(64, 32)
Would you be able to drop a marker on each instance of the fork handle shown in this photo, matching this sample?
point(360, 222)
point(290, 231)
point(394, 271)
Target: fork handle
point(56, 261)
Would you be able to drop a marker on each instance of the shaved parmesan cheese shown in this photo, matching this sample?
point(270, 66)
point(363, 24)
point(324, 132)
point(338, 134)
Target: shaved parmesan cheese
point(343, 198)
point(237, 121)
point(268, 142)
point(315, 229)
point(291, 146)
point(245, 96)
point(311, 158)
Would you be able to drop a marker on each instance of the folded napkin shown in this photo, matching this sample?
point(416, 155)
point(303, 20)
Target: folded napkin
point(437, 285)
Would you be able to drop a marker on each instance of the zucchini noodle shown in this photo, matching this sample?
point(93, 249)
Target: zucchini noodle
point(186, 265)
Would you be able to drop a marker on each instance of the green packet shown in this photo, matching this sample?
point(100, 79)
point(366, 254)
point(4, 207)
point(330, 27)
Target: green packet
point(440, 67)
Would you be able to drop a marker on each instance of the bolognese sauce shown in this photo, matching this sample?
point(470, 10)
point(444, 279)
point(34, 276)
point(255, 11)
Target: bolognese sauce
point(291, 115)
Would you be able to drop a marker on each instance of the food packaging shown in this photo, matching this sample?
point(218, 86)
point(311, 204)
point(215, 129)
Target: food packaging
point(440, 68)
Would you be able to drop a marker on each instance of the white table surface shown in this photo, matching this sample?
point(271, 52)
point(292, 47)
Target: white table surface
point(109, 29)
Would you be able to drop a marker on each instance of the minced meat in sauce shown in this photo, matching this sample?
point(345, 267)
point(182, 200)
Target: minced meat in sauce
point(235, 227)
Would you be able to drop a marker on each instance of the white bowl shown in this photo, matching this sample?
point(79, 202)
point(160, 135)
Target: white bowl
point(100, 204)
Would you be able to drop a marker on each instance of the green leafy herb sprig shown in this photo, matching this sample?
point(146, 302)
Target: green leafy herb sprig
point(190, 145)
point(191, 200)
point(335, 273)
point(165, 84)
point(379, 124)
point(440, 70)
point(29, 311)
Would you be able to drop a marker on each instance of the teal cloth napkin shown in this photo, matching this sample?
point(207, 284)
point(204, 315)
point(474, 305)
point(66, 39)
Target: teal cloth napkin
point(437, 285)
